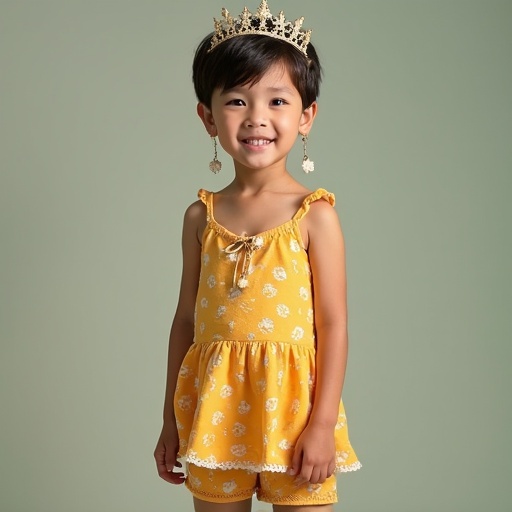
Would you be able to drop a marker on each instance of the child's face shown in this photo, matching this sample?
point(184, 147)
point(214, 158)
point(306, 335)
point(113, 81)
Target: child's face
point(258, 124)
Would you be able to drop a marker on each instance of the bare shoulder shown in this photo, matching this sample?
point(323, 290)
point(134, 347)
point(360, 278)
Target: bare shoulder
point(322, 208)
point(321, 217)
point(194, 220)
point(196, 211)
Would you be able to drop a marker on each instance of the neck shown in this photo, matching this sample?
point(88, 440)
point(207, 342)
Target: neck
point(270, 178)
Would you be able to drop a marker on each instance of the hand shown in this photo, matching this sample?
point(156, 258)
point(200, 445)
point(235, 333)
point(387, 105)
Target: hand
point(165, 454)
point(314, 457)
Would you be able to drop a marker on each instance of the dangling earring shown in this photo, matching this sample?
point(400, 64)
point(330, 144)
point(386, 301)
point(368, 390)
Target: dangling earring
point(215, 165)
point(307, 164)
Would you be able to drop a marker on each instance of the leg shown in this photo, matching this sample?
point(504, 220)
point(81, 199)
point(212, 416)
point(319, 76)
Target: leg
point(207, 506)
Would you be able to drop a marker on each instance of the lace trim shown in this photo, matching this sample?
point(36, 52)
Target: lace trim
point(351, 467)
point(258, 468)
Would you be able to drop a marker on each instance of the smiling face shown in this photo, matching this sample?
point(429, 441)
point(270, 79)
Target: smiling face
point(258, 123)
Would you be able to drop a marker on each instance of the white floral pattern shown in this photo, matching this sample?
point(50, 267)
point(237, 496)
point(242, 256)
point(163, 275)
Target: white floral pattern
point(279, 273)
point(185, 403)
point(272, 426)
point(244, 407)
point(229, 487)
point(239, 450)
point(297, 333)
point(226, 391)
point(239, 429)
point(269, 291)
point(283, 310)
point(217, 418)
point(271, 404)
point(294, 245)
point(266, 325)
point(285, 444)
point(185, 371)
point(208, 439)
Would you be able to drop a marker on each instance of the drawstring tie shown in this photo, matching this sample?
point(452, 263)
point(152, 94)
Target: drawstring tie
point(245, 246)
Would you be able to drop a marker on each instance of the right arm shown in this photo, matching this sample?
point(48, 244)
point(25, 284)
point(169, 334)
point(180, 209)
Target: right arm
point(180, 339)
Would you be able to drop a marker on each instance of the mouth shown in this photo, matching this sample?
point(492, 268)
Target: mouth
point(257, 142)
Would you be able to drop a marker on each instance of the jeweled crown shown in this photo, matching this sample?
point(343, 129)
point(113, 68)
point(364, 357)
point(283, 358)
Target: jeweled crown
point(262, 22)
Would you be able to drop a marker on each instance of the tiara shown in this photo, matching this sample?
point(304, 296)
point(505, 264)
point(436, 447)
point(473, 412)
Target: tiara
point(262, 22)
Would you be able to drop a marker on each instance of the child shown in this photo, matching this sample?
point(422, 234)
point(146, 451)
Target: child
point(258, 345)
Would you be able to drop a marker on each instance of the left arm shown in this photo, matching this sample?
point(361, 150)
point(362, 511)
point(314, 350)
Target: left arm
point(315, 454)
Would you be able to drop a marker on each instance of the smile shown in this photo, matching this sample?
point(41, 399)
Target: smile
point(257, 142)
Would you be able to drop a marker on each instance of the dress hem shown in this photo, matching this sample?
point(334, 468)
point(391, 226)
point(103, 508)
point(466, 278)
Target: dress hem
point(257, 468)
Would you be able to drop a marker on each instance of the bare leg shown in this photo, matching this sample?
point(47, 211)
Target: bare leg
point(208, 506)
point(303, 508)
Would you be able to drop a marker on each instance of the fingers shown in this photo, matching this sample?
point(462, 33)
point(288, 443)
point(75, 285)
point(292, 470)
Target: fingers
point(170, 460)
point(311, 473)
point(165, 464)
point(305, 475)
point(296, 461)
point(173, 478)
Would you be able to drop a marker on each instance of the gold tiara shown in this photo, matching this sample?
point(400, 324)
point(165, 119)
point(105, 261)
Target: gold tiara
point(262, 22)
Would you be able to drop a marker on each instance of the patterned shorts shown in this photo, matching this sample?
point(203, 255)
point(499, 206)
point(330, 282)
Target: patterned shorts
point(224, 486)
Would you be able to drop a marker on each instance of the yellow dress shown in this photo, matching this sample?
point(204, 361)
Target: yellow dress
point(245, 387)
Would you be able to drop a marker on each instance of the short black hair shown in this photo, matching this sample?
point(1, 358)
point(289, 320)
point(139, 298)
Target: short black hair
point(245, 59)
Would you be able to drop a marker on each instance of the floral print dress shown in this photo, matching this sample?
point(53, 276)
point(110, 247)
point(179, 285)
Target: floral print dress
point(245, 387)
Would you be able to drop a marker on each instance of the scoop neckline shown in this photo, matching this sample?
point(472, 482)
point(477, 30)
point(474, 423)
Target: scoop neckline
point(281, 227)
point(263, 234)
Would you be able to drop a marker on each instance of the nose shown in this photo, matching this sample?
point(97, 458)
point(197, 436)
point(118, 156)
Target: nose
point(256, 116)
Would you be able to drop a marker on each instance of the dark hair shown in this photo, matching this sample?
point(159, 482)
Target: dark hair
point(245, 59)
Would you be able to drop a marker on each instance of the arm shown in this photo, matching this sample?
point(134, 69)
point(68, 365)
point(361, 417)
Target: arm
point(180, 339)
point(315, 454)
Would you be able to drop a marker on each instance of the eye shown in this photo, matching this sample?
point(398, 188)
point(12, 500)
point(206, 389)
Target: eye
point(278, 102)
point(236, 102)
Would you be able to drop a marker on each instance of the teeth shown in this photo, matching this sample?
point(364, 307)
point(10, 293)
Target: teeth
point(257, 142)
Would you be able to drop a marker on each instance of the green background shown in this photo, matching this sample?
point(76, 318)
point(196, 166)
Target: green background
point(100, 153)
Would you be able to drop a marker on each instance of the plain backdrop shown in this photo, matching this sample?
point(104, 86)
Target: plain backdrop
point(100, 153)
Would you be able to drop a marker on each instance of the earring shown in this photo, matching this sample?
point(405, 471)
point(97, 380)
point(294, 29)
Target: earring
point(215, 165)
point(307, 164)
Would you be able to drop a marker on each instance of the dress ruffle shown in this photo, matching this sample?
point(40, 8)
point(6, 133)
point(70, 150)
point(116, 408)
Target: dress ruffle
point(251, 402)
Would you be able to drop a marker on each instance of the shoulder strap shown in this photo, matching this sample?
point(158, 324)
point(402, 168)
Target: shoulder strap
point(207, 198)
point(320, 193)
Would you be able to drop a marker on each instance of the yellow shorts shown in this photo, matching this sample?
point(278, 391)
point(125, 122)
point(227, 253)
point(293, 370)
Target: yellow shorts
point(225, 486)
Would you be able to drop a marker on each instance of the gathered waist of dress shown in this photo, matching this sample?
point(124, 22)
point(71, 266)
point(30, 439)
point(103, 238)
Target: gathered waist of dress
point(304, 342)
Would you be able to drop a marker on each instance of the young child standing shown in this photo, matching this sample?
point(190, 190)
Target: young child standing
point(258, 345)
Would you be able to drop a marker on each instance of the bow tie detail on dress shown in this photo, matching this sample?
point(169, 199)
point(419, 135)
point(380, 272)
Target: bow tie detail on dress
point(246, 247)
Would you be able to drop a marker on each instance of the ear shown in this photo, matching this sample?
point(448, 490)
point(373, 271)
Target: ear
point(307, 118)
point(206, 116)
